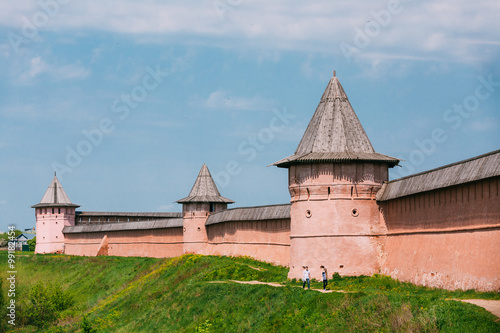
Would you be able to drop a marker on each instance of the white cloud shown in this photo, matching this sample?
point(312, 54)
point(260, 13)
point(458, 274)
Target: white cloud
point(163, 123)
point(459, 29)
point(221, 99)
point(5, 50)
point(71, 72)
point(165, 208)
point(485, 125)
point(37, 66)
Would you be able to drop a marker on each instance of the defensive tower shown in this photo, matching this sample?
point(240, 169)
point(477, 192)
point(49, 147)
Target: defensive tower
point(334, 176)
point(53, 213)
point(203, 200)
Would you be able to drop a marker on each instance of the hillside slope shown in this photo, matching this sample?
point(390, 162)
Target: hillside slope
point(194, 293)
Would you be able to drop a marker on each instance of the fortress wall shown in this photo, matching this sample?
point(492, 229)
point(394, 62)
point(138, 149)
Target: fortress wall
point(335, 218)
point(447, 238)
point(49, 225)
point(82, 244)
point(158, 243)
point(267, 240)
point(330, 234)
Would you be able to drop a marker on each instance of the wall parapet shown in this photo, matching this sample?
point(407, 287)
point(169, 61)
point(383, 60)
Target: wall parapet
point(125, 226)
point(114, 217)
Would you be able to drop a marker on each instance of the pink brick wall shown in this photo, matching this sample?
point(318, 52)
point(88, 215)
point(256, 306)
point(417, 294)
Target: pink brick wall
point(447, 238)
point(334, 218)
point(158, 243)
point(262, 240)
point(50, 222)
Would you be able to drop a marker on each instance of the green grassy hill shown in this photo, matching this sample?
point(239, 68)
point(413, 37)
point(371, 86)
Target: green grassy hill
point(195, 293)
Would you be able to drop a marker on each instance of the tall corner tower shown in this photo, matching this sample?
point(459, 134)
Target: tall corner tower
point(203, 200)
point(334, 176)
point(53, 213)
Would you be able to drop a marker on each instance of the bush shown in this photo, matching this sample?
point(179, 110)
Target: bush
point(87, 326)
point(32, 244)
point(336, 277)
point(2, 306)
point(41, 310)
point(45, 303)
point(62, 300)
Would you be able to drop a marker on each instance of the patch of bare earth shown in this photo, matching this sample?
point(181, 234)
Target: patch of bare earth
point(492, 306)
point(276, 284)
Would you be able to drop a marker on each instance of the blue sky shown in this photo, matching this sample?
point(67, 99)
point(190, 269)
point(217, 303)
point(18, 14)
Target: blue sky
point(127, 99)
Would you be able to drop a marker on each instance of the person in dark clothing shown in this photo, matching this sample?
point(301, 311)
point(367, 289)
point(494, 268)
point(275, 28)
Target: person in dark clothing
point(324, 275)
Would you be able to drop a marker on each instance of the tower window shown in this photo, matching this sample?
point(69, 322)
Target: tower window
point(212, 207)
point(52, 210)
point(59, 210)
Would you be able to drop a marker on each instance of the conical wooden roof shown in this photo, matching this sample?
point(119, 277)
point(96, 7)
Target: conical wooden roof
point(334, 133)
point(55, 196)
point(204, 189)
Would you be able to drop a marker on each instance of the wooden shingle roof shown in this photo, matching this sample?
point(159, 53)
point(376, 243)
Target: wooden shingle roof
point(125, 226)
point(334, 133)
point(157, 215)
point(259, 213)
point(55, 196)
point(473, 169)
point(204, 189)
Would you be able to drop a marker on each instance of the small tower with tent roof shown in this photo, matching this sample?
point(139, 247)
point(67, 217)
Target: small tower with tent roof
point(203, 200)
point(53, 213)
point(334, 176)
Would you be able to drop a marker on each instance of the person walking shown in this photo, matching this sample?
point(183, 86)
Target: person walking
point(324, 275)
point(306, 278)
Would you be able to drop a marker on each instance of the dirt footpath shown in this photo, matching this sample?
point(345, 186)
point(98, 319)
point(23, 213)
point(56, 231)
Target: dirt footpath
point(490, 305)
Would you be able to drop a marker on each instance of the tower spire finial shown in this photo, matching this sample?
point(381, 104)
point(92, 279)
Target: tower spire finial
point(334, 74)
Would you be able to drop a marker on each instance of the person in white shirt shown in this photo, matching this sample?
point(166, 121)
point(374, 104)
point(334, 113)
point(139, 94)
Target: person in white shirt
point(306, 278)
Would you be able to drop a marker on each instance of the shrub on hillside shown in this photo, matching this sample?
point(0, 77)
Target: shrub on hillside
point(2, 306)
point(45, 302)
point(336, 277)
point(86, 325)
